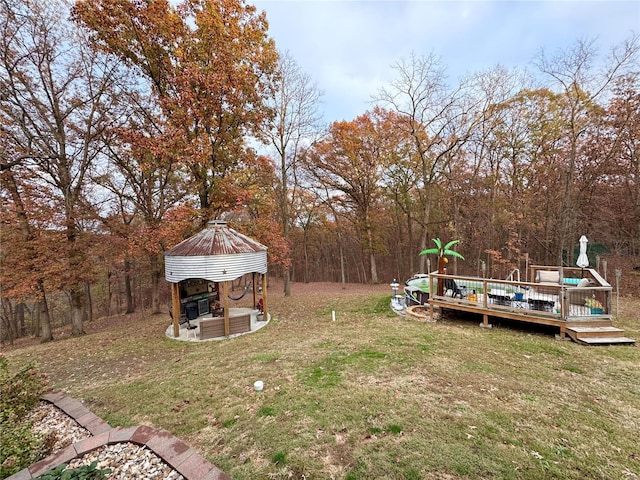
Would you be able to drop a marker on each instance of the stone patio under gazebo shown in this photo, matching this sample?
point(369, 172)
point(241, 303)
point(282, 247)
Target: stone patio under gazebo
point(200, 270)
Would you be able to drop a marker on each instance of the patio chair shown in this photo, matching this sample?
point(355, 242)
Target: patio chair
point(191, 329)
point(451, 289)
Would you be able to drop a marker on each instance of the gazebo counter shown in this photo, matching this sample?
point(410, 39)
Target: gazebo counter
point(239, 322)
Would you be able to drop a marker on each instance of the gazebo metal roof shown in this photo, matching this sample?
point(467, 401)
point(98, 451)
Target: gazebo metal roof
point(216, 239)
point(218, 253)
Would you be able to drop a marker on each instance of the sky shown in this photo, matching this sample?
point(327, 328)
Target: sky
point(349, 47)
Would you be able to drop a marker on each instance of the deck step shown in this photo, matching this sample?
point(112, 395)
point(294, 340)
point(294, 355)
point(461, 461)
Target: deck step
point(598, 335)
point(606, 341)
point(583, 332)
point(590, 323)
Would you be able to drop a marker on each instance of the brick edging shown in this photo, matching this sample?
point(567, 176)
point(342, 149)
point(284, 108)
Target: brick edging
point(182, 458)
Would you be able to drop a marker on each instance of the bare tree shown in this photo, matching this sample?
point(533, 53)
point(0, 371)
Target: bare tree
point(581, 84)
point(491, 155)
point(294, 100)
point(436, 118)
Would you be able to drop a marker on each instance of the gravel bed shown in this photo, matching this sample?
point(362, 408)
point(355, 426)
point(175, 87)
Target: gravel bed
point(58, 427)
point(126, 460)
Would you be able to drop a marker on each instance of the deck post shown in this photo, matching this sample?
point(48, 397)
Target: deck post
point(485, 300)
point(485, 293)
point(430, 295)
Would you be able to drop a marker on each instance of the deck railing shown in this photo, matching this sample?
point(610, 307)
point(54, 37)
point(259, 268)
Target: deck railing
point(565, 300)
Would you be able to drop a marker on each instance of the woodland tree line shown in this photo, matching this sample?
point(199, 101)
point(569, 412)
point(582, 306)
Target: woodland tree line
point(128, 124)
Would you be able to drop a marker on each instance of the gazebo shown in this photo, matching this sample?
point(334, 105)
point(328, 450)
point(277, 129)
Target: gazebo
point(199, 265)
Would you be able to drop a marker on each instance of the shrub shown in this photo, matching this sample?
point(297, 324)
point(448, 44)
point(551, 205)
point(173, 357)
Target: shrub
point(19, 394)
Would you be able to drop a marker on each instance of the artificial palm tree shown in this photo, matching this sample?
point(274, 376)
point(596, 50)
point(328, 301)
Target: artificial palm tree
point(442, 252)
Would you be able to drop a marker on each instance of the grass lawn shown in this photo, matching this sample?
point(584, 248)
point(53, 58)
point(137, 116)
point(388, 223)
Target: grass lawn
point(369, 396)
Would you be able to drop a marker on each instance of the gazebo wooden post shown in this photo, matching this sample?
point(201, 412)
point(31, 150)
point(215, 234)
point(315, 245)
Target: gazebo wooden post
point(175, 308)
point(225, 306)
point(264, 297)
point(253, 287)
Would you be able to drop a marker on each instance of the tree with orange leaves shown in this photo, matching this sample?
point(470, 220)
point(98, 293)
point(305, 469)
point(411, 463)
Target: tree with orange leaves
point(56, 101)
point(208, 64)
point(351, 160)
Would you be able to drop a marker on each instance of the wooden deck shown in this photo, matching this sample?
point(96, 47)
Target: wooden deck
point(581, 312)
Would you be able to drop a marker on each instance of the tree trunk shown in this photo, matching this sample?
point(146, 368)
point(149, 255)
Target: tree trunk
point(285, 234)
point(128, 290)
point(374, 268)
point(412, 258)
point(43, 315)
point(43, 319)
point(36, 329)
point(89, 306)
point(77, 310)
point(568, 209)
point(425, 229)
point(155, 285)
point(287, 282)
point(77, 266)
point(342, 273)
point(19, 319)
point(284, 210)
point(372, 258)
point(305, 249)
point(109, 293)
point(8, 333)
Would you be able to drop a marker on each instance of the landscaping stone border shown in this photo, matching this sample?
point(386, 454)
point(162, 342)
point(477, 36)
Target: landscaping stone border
point(176, 453)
